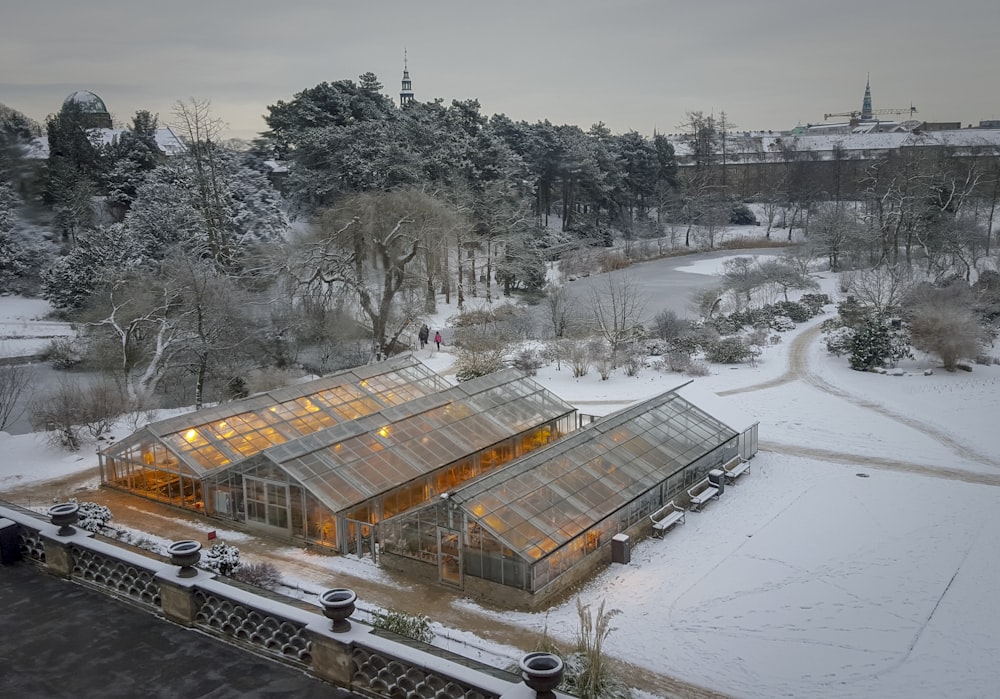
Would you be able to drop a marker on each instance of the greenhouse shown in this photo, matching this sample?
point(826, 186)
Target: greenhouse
point(327, 460)
point(525, 533)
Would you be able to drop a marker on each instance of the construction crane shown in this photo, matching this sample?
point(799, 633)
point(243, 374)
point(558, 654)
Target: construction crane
point(911, 110)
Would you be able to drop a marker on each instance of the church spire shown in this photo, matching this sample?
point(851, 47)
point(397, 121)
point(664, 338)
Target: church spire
point(866, 105)
point(406, 93)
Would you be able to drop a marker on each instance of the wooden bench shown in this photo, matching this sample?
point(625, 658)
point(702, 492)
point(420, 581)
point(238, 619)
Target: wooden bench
point(700, 493)
point(665, 518)
point(737, 470)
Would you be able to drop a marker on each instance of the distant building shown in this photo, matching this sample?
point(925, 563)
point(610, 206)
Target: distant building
point(93, 111)
point(97, 121)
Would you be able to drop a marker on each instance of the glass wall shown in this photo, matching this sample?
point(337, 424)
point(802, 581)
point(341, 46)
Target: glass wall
point(531, 522)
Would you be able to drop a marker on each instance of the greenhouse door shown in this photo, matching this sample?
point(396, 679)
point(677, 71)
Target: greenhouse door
point(449, 557)
point(359, 539)
point(266, 502)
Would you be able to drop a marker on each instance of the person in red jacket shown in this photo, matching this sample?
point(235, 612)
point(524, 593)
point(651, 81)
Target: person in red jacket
point(437, 339)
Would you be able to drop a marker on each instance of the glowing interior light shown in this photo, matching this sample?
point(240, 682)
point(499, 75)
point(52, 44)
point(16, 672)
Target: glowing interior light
point(191, 434)
point(384, 432)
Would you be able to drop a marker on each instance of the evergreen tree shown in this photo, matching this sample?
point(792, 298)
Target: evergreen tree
point(73, 170)
point(131, 157)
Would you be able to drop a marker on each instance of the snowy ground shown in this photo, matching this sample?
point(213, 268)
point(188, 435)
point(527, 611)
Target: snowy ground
point(855, 559)
point(24, 331)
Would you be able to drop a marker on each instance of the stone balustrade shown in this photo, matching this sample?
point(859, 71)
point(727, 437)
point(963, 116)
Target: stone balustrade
point(349, 656)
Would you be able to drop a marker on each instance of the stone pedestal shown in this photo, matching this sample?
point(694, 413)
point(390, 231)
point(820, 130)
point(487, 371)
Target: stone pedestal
point(58, 558)
point(177, 595)
point(331, 655)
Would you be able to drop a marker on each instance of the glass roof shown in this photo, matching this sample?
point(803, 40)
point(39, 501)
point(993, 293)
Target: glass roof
point(546, 498)
point(217, 437)
point(351, 463)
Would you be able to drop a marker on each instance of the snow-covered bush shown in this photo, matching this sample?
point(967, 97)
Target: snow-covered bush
point(838, 340)
point(815, 302)
point(263, 575)
point(417, 627)
point(729, 350)
point(93, 517)
point(601, 358)
point(527, 360)
point(698, 369)
point(633, 359)
point(798, 312)
point(782, 324)
point(221, 558)
point(678, 361)
point(655, 347)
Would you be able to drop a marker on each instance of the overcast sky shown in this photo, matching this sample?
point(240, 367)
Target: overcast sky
point(633, 64)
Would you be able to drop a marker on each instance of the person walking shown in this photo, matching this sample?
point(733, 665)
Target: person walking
point(423, 335)
point(437, 339)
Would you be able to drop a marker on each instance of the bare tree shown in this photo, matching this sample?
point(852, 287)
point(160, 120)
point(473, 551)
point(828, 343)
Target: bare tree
point(14, 381)
point(137, 334)
point(942, 323)
point(618, 309)
point(201, 132)
point(560, 305)
point(365, 247)
point(785, 274)
point(881, 289)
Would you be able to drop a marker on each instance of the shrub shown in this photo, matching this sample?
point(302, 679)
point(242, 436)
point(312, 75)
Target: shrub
point(758, 337)
point(579, 358)
point(815, 302)
point(221, 558)
point(698, 369)
point(667, 325)
point(634, 359)
point(263, 575)
point(527, 361)
point(93, 517)
point(851, 312)
point(417, 627)
point(798, 312)
point(782, 324)
point(839, 340)
point(727, 325)
point(728, 350)
point(62, 353)
point(741, 215)
point(678, 361)
point(601, 358)
point(655, 347)
point(611, 261)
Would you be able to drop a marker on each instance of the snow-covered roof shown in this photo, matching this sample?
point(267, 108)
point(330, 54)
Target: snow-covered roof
point(166, 140)
point(770, 146)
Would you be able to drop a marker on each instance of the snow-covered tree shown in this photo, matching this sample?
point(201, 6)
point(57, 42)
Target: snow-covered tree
point(12, 263)
point(131, 157)
point(100, 256)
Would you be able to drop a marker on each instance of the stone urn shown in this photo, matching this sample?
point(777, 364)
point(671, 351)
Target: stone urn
point(185, 554)
point(542, 672)
point(338, 605)
point(64, 516)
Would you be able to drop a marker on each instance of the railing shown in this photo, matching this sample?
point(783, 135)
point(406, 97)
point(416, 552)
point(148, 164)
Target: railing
point(345, 653)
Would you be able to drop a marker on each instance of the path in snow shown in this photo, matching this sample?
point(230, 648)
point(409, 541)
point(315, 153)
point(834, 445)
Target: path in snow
point(798, 370)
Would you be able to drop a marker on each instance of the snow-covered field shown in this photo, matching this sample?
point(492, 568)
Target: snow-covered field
point(24, 331)
point(814, 576)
